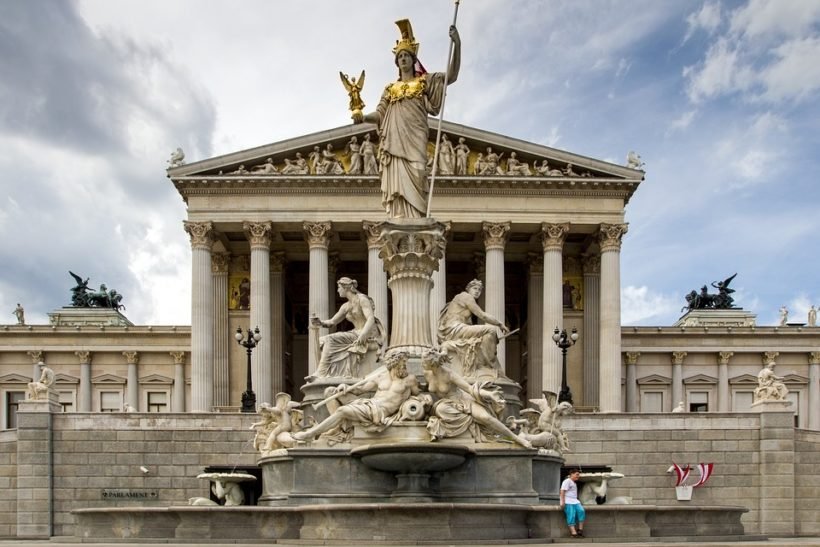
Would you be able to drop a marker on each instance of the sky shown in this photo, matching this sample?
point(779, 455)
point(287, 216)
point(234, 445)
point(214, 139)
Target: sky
point(720, 99)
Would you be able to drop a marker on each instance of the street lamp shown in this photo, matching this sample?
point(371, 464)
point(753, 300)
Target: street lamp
point(564, 342)
point(248, 397)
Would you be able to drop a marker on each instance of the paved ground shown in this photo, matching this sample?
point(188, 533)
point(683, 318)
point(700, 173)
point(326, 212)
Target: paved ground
point(773, 542)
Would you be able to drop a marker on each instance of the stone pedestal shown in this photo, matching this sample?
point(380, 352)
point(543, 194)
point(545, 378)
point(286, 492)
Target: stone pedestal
point(717, 318)
point(411, 250)
point(69, 316)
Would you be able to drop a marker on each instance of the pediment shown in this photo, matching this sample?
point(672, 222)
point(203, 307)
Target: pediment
point(14, 378)
point(111, 379)
point(743, 379)
point(61, 378)
point(654, 379)
point(795, 379)
point(274, 164)
point(700, 379)
point(156, 379)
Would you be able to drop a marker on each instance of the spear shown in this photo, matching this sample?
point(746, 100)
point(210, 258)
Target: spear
point(441, 115)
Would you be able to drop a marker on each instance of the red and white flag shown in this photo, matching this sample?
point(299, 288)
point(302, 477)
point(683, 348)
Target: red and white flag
point(682, 474)
point(705, 470)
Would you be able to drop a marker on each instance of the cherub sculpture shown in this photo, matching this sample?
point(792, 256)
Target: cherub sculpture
point(542, 426)
point(177, 158)
point(633, 160)
point(354, 91)
point(278, 423)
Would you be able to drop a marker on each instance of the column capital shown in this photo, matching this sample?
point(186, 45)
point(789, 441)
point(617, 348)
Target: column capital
point(535, 262)
point(179, 357)
point(769, 356)
point(258, 233)
point(220, 262)
point(131, 357)
point(277, 262)
point(678, 357)
point(317, 234)
point(333, 263)
point(36, 356)
point(495, 234)
point(591, 265)
point(814, 357)
point(553, 235)
point(724, 356)
point(632, 357)
point(83, 356)
point(610, 235)
point(372, 232)
point(201, 233)
point(480, 265)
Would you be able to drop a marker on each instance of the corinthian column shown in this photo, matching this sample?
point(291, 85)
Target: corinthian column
point(132, 386)
point(277, 306)
point(724, 404)
point(632, 381)
point(376, 276)
point(677, 376)
point(814, 390)
point(202, 323)
point(495, 239)
point(552, 240)
point(535, 329)
point(85, 380)
point(178, 395)
point(259, 236)
point(317, 235)
point(222, 335)
point(592, 320)
point(609, 239)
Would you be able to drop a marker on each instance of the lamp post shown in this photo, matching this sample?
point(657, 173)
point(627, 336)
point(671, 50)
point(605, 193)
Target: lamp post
point(248, 397)
point(564, 342)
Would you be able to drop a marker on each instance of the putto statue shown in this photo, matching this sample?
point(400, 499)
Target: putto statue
point(402, 116)
point(705, 301)
point(542, 426)
point(82, 297)
point(277, 424)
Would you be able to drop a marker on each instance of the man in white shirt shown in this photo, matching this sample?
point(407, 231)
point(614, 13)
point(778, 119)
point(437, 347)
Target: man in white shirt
point(573, 509)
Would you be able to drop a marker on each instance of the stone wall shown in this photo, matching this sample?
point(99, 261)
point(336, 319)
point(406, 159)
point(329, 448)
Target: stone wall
point(761, 462)
point(8, 483)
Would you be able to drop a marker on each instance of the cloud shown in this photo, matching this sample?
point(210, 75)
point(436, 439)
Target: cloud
point(707, 18)
point(775, 18)
point(683, 121)
point(640, 305)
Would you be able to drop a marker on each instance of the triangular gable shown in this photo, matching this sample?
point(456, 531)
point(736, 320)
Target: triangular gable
point(246, 167)
point(112, 379)
point(61, 378)
point(743, 379)
point(654, 379)
point(156, 379)
point(795, 379)
point(14, 378)
point(700, 379)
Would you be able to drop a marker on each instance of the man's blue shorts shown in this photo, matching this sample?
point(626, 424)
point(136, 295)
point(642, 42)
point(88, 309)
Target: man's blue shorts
point(575, 513)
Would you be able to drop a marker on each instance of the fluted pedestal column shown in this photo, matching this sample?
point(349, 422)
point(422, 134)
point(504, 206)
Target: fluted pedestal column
point(84, 404)
point(609, 239)
point(178, 394)
point(438, 295)
point(591, 339)
point(814, 390)
point(317, 235)
point(222, 334)
point(202, 325)
point(277, 306)
point(552, 240)
point(677, 377)
point(132, 358)
point(535, 328)
point(724, 396)
point(495, 239)
point(376, 276)
point(259, 236)
point(411, 250)
point(632, 381)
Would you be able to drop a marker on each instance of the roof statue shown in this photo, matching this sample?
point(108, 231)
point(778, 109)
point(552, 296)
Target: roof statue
point(704, 300)
point(82, 297)
point(354, 90)
point(633, 160)
point(402, 115)
point(177, 158)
